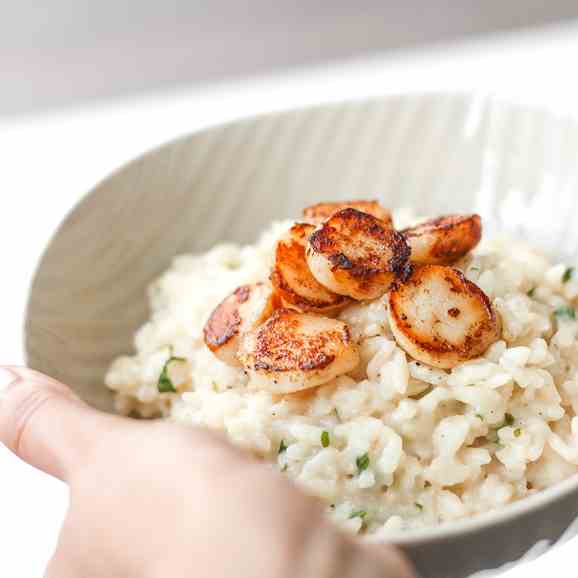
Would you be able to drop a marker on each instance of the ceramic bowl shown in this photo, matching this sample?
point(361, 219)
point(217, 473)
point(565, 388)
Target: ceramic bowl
point(438, 153)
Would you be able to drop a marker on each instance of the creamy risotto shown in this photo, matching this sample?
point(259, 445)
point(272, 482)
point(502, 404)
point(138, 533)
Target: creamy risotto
point(393, 443)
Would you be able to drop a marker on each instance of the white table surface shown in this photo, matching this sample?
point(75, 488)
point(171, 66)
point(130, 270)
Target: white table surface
point(47, 162)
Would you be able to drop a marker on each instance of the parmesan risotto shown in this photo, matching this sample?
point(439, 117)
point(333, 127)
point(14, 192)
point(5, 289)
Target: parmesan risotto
point(394, 443)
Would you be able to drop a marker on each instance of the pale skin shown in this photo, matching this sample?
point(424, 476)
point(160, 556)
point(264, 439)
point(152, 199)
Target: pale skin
point(153, 499)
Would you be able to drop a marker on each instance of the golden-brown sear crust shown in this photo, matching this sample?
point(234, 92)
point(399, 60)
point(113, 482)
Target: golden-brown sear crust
point(293, 351)
point(364, 253)
point(321, 211)
point(356, 224)
point(468, 303)
point(238, 313)
point(280, 341)
point(292, 280)
point(224, 322)
point(444, 240)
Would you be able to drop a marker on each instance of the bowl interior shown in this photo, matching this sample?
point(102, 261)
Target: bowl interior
point(435, 153)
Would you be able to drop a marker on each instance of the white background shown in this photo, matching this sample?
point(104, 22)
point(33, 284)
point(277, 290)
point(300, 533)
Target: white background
point(46, 163)
point(62, 51)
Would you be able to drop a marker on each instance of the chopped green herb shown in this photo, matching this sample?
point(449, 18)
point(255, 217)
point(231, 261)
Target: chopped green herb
point(362, 463)
point(325, 439)
point(565, 311)
point(567, 274)
point(518, 432)
point(165, 384)
point(480, 416)
point(509, 420)
point(419, 506)
point(358, 514)
point(282, 447)
point(531, 292)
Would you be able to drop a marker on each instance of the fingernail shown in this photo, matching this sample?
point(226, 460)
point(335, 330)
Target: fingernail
point(8, 379)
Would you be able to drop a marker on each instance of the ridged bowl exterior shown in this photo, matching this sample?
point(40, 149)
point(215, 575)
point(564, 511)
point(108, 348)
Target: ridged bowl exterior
point(436, 153)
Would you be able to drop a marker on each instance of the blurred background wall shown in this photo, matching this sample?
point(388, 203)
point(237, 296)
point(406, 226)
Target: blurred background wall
point(59, 52)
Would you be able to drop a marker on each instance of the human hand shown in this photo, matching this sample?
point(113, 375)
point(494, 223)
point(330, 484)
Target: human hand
point(154, 499)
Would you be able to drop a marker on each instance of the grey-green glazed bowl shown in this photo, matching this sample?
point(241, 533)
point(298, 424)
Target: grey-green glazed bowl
point(438, 153)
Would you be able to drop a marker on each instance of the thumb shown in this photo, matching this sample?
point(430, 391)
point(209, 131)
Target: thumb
point(349, 556)
point(45, 424)
point(392, 562)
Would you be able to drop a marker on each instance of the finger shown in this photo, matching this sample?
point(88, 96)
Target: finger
point(389, 559)
point(352, 558)
point(371, 561)
point(69, 555)
point(45, 424)
point(58, 567)
point(323, 550)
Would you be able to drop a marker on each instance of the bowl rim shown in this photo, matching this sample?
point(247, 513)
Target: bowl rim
point(412, 537)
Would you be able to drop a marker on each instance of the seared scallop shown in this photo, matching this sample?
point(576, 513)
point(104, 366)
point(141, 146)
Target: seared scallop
point(243, 310)
point(322, 211)
point(292, 279)
point(355, 254)
point(443, 240)
point(441, 318)
point(294, 351)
